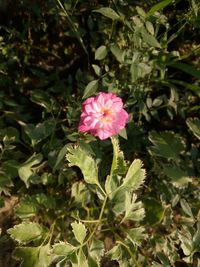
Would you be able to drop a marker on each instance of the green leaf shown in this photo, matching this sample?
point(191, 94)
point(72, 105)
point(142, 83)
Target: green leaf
point(26, 169)
point(193, 87)
point(115, 253)
point(27, 208)
point(194, 125)
point(34, 256)
point(80, 157)
point(90, 89)
point(97, 70)
point(26, 232)
point(196, 239)
point(135, 176)
point(5, 182)
point(79, 231)
point(96, 251)
point(101, 52)
point(82, 261)
point(117, 52)
point(186, 208)
point(158, 7)
point(186, 68)
point(136, 235)
point(154, 211)
point(166, 144)
point(148, 38)
point(40, 131)
point(133, 210)
point(63, 249)
point(60, 157)
point(108, 12)
point(179, 177)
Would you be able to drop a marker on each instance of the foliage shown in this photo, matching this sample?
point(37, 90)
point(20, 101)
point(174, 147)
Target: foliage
point(82, 201)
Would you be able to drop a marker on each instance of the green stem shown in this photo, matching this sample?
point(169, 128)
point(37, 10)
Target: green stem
point(130, 252)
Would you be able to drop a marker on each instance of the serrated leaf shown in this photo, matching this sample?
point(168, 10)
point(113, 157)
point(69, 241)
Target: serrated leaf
point(78, 156)
point(82, 261)
point(34, 256)
point(79, 231)
point(194, 125)
point(136, 235)
point(26, 232)
point(26, 209)
point(90, 89)
point(108, 12)
point(133, 210)
point(135, 176)
point(179, 178)
point(63, 249)
point(115, 253)
point(96, 251)
point(25, 170)
point(166, 144)
point(101, 52)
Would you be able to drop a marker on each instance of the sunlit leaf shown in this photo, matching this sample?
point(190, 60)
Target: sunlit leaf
point(26, 232)
point(79, 231)
point(108, 12)
point(78, 156)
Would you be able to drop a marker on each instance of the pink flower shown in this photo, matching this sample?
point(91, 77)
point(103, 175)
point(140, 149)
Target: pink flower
point(103, 115)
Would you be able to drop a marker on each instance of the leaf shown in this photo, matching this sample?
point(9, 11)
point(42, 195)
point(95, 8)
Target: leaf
point(148, 38)
point(97, 70)
point(26, 209)
point(196, 239)
point(5, 182)
point(189, 69)
point(79, 231)
point(166, 144)
point(90, 89)
point(96, 251)
point(136, 235)
point(117, 52)
point(133, 210)
point(178, 176)
point(26, 232)
point(194, 125)
point(108, 12)
point(186, 207)
point(135, 176)
point(115, 253)
point(158, 7)
point(82, 261)
point(26, 169)
point(40, 131)
point(193, 87)
point(63, 249)
point(60, 157)
point(78, 156)
point(34, 256)
point(154, 211)
point(101, 52)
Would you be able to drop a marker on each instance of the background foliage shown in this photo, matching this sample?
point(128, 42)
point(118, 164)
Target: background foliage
point(70, 207)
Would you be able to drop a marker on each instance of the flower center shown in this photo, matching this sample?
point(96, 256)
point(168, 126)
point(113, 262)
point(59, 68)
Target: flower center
point(106, 115)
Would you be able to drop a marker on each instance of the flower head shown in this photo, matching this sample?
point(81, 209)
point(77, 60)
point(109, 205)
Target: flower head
point(103, 115)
